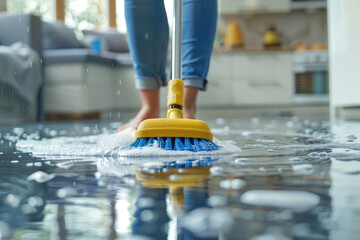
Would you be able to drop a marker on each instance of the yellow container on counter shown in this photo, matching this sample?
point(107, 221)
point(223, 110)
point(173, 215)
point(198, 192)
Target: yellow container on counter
point(233, 35)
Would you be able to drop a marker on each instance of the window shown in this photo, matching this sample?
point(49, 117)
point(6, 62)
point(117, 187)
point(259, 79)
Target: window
point(42, 8)
point(83, 14)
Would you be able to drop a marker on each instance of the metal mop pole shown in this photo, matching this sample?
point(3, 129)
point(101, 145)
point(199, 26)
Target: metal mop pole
point(176, 40)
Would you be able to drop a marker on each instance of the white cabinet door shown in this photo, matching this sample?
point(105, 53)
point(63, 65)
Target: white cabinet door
point(263, 90)
point(262, 78)
point(236, 6)
point(219, 82)
point(262, 64)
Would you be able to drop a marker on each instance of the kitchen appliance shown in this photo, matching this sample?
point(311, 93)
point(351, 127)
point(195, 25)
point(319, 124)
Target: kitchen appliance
point(311, 76)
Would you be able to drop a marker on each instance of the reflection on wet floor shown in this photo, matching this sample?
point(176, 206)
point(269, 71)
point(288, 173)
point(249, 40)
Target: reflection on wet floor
point(293, 179)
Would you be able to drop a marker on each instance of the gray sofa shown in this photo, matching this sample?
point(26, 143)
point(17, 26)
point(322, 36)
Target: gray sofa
point(20, 67)
point(75, 78)
point(78, 80)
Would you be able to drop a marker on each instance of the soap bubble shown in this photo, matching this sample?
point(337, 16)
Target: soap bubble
point(147, 215)
point(12, 200)
point(216, 201)
point(216, 170)
point(295, 159)
point(207, 222)
point(35, 201)
point(242, 160)
point(40, 177)
point(66, 192)
point(145, 202)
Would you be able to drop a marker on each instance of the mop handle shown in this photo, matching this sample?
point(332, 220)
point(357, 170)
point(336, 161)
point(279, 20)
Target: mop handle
point(176, 40)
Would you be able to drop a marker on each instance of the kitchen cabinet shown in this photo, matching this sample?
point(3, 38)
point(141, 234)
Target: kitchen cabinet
point(242, 79)
point(237, 6)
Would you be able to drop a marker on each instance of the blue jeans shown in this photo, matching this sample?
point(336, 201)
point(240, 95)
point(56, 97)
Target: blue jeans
point(148, 35)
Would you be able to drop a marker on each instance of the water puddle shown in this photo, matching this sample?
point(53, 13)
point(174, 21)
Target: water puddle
point(283, 178)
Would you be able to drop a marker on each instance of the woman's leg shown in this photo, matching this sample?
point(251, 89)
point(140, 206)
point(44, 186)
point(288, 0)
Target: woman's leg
point(148, 35)
point(199, 27)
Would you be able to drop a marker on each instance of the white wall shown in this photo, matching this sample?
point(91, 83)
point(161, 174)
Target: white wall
point(344, 51)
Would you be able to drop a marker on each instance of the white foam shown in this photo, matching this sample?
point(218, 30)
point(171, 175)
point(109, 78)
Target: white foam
point(115, 145)
point(297, 201)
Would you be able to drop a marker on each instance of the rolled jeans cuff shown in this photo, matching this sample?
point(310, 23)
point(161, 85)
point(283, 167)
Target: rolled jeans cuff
point(199, 83)
point(149, 83)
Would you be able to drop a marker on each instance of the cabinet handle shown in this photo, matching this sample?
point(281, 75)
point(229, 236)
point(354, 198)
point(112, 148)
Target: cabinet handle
point(252, 83)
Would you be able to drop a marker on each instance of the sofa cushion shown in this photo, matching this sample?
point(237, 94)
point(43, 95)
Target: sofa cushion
point(78, 55)
point(116, 41)
point(57, 35)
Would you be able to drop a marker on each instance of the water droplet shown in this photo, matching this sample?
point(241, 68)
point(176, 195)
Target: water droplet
point(40, 177)
point(97, 175)
point(298, 201)
point(237, 184)
point(216, 201)
point(66, 192)
point(147, 215)
point(129, 181)
point(303, 168)
point(211, 221)
point(12, 200)
point(226, 184)
point(220, 121)
point(35, 201)
point(216, 170)
point(146, 202)
point(242, 160)
point(295, 159)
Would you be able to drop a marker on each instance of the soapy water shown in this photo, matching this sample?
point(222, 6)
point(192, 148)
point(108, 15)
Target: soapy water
point(109, 145)
point(276, 187)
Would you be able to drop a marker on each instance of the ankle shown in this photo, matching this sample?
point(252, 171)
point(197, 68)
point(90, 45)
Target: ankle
point(190, 112)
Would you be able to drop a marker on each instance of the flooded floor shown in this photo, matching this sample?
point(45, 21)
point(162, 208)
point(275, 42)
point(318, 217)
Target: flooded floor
point(296, 177)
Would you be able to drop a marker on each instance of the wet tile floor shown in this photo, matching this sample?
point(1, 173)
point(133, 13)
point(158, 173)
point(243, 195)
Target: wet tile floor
point(295, 178)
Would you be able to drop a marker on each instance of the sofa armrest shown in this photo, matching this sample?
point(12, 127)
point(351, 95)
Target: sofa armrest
point(24, 28)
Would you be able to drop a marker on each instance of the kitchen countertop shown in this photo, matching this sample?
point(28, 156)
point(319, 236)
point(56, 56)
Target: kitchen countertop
point(252, 50)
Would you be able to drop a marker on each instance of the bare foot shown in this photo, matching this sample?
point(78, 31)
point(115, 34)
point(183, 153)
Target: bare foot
point(149, 109)
point(144, 113)
point(190, 96)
